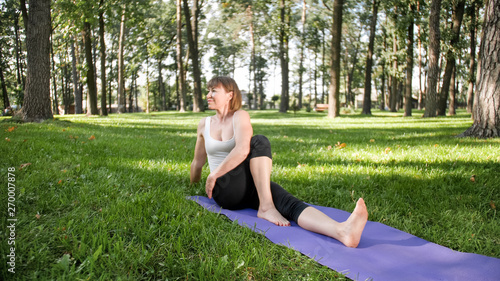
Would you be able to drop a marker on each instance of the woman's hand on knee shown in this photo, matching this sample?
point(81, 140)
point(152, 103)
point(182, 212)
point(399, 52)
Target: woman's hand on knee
point(209, 186)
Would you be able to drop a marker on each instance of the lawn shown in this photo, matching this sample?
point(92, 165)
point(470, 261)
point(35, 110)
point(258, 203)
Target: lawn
point(103, 198)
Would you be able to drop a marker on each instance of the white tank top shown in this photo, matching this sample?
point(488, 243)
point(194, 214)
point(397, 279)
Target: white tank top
point(217, 150)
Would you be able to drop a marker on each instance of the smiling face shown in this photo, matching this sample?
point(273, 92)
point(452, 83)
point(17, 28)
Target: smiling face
point(218, 98)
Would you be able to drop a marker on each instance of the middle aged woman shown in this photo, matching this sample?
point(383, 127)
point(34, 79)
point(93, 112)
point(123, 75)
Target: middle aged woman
point(240, 170)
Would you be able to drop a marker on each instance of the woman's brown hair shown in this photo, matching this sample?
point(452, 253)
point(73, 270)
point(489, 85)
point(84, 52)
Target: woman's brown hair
point(229, 85)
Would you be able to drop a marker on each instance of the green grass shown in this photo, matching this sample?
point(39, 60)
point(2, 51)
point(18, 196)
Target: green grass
point(113, 207)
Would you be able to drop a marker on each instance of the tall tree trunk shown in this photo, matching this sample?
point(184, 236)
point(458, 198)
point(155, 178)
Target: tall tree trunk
point(91, 85)
point(457, 16)
point(431, 97)
point(36, 105)
point(55, 106)
point(394, 80)
point(102, 50)
point(121, 68)
point(181, 80)
point(192, 31)
point(367, 102)
point(409, 65)
point(334, 90)
point(5, 96)
point(19, 71)
point(451, 109)
point(283, 43)
point(487, 99)
point(76, 80)
point(161, 85)
point(302, 48)
point(420, 92)
point(472, 64)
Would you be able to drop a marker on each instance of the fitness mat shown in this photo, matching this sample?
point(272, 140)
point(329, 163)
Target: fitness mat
point(384, 253)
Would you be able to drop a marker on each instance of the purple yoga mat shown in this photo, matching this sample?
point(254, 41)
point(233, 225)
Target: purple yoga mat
point(384, 253)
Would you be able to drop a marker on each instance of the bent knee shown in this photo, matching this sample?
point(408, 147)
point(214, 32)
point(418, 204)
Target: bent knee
point(260, 146)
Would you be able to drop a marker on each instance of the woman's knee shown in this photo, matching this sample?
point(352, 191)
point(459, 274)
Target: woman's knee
point(260, 146)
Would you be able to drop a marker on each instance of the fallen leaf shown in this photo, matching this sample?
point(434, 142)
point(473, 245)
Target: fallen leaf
point(59, 182)
point(24, 165)
point(7, 139)
point(10, 129)
point(340, 145)
point(492, 204)
point(92, 137)
point(372, 140)
point(329, 147)
point(436, 145)
point(473, 178)
point(387, 150)
point(37, 216)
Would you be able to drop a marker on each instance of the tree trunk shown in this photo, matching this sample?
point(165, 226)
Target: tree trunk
point(472, 64)
point(420, 92)
point(36, 106)
point(451, 109)
point(161, 85)
point(121, 68)
point(367, 101)
point(434, 47)
point(283, 45)
point(334, 90)
point(458, 13)
point(181, 80)
point(394, 81)
point(91, 85)
point(55, 104)
point(76, 80)
point(302, 48)
point(192, 32)
point(487, 100)
point(409, 65)
point(104, 110)
point(5, 96)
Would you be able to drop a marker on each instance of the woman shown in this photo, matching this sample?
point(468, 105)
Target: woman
point(240, 170)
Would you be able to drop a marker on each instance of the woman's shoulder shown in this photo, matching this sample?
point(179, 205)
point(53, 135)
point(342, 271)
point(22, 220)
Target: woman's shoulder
point(201, 125)
point(241, 114)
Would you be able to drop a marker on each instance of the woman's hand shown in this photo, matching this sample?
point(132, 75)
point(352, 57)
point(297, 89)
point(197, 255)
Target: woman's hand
point(209, 186)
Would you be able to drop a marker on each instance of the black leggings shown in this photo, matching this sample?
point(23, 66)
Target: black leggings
point(236, 189)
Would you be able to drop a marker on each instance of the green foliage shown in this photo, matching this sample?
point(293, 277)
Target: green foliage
point(104, 198)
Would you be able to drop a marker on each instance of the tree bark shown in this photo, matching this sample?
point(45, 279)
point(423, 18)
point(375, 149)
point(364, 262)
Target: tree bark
point(394, 80)
point(457, 16)
point(121, 68)
point(472, 64)
point(5, 96)
point(487, 100)
point(91, 85)
point(434, 45)
point(102, 50)
point(409, 65)
point(334, 89)
point(451, 108)
point(76, 79)
point(181, 80)
point(302, 49)
point(192, 32)
point(36, 106)
point(283, 46)
point(367, 101)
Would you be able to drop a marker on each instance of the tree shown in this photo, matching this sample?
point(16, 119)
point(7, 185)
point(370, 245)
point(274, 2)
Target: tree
point(486, 111)
point(334, 89)
point(192, 35)
point(91, 85)
point(181, 80)
point(434, 45)
point(36, 105)
point(283, 53)
point(121, 67)
point(409, 63)
point(458, 12)
point(104, 111)
point(367, 104)
point(472, 64)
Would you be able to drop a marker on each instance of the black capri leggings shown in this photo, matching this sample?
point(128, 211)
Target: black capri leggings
point(236, 189)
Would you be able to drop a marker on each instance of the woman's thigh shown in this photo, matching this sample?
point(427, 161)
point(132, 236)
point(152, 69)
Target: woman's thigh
point(235, 189)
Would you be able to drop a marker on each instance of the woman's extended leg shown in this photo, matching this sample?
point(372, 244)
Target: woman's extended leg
point(261, 167)
point(348, 232)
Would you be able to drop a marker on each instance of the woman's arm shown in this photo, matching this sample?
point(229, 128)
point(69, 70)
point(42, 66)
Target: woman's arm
point(242, 136)
point(200, 154)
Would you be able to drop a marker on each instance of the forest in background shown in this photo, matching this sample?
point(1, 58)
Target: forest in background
point(323, 50)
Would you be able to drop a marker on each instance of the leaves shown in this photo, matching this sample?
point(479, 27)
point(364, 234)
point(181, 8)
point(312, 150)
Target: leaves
point(340, 145)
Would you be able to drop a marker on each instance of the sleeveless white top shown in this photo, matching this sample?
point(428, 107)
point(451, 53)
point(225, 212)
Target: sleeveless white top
point(217, 150)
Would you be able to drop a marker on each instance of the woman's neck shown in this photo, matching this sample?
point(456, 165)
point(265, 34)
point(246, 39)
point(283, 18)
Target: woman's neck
point(223, 114)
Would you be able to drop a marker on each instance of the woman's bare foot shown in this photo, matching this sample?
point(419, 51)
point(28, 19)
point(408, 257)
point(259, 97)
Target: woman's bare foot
point(354, 225)
point(273, 216)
